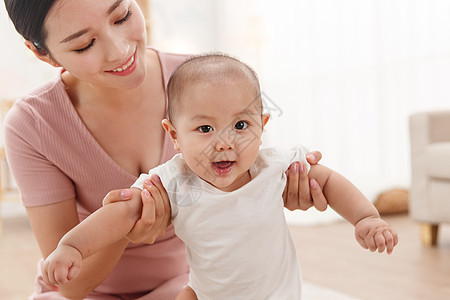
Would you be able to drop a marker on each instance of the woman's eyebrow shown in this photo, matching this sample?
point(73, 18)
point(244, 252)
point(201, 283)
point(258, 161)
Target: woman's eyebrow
point(113, 7)
point(84, 31)
point(74, 36)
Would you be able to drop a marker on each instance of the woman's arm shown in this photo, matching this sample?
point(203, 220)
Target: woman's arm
point(51, 222)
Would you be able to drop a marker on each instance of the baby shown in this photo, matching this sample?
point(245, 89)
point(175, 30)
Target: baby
point(225, 193)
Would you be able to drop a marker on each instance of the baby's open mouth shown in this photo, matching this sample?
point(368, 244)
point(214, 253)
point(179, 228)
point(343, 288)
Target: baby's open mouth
point(223, 164)
point(222, 167)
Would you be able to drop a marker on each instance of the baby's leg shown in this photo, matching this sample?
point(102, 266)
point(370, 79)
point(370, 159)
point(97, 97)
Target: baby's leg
point(187, 294)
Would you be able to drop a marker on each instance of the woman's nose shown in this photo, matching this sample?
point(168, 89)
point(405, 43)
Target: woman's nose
point(116, 49)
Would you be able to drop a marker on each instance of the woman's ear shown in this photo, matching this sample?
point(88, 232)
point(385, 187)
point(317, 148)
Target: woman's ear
point(168, 126)
point(41, 54)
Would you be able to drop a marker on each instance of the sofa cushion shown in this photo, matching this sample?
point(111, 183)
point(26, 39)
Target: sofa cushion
point(438, 160)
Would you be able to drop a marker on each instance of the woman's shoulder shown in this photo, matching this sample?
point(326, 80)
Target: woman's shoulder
point(39, 103)
point(42, 95)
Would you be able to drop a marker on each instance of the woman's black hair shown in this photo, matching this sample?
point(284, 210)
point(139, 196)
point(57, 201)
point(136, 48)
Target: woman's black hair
point(28, 17)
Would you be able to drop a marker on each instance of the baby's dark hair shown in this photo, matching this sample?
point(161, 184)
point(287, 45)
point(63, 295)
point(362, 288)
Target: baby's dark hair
point(207, 68)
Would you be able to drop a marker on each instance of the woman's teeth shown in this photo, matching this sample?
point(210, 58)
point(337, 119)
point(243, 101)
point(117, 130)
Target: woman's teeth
point(126, 66)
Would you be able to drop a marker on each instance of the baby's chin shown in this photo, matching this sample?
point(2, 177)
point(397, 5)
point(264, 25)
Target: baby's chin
point(231, 184)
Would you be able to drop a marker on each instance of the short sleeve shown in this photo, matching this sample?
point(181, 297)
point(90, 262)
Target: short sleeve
point(40, 182)
point(283, 157)
point(180, 183)
point(139, 183)
point(298, 153)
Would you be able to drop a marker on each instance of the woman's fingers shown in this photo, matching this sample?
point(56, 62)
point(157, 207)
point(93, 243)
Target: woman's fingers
point(160, 209)
point(297, 194)
point(142, 228)
point(164, 197)
point(117, 195)
point(305, 198)
point(291, 196)
point(314, 157)
point(318, 198)
point(155, 215)
point(301, 192)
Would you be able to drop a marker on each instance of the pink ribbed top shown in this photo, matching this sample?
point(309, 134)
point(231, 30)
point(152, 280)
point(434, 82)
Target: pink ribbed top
point(54, 157)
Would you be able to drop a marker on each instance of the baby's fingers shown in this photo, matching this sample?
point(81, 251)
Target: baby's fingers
point(380, 242)
point(61, 276)
point(370, 242)
point(362, 242)
point(49, 281)
point(391, 240)
point(73, 272)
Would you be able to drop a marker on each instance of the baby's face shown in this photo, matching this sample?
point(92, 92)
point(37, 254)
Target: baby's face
point(218, 130)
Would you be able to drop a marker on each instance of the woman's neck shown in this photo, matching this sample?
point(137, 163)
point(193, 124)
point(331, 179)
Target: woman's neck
point(85, 94)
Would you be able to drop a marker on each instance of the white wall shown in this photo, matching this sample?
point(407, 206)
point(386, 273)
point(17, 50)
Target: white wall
point(21, 71)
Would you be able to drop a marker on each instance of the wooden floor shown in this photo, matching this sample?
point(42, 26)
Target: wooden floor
point(329, 256)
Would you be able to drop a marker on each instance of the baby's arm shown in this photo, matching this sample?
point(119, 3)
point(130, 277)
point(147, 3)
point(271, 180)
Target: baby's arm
point(104, 227)
point(370, 230)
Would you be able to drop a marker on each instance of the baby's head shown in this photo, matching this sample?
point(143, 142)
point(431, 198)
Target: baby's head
point(216, 118)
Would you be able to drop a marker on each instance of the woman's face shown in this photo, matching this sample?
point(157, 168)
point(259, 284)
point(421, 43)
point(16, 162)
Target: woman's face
point(102, 42)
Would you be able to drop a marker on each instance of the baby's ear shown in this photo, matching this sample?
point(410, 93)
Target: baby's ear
point(170, 129)
point(265, 118)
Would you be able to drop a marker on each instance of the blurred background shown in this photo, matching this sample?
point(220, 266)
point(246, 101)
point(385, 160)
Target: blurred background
point(341, 77)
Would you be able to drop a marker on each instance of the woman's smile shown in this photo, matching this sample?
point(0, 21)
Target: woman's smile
point(127, 68)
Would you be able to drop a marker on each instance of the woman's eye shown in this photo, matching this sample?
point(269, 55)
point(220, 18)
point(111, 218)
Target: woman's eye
point(205, 128)
point(87, 47)
point(241, 125)
point(124, 19)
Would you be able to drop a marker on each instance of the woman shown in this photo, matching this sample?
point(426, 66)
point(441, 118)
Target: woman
point(89, 131)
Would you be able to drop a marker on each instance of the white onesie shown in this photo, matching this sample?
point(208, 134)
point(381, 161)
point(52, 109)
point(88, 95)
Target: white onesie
point(238, 244)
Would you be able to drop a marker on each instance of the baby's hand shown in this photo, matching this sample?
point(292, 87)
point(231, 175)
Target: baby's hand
point(61, 266)
point(373, 233)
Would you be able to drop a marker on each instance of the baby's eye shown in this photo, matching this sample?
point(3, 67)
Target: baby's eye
point(205, 128)
point(241, 125)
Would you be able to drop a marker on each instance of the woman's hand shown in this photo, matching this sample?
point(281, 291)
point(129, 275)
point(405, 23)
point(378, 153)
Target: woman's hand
point(301, 192)
point(156, 211)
